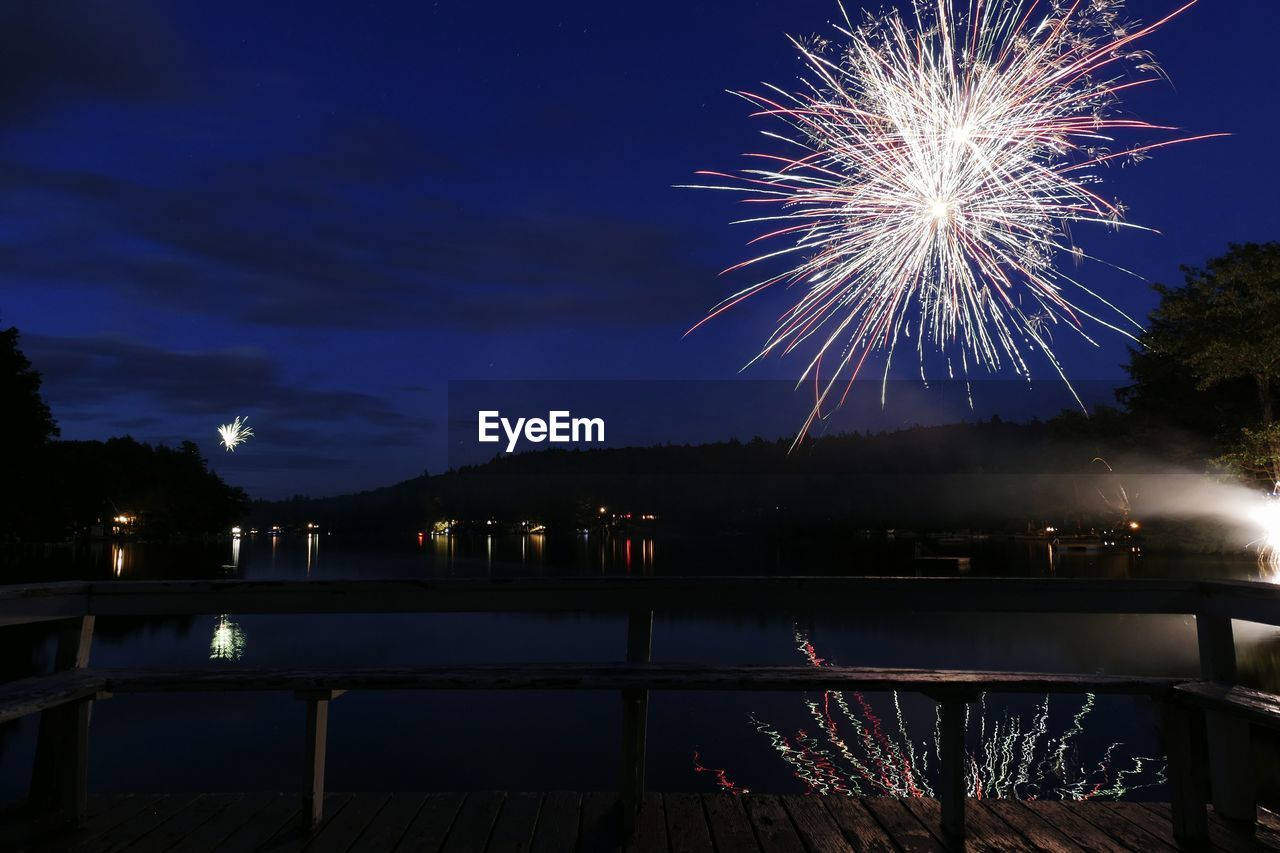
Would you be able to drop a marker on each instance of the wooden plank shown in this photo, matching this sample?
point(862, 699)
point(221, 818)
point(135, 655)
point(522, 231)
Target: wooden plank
point(339, 834)
point(1268, 828)
point(42, 692)
point(989, 831)
point(27, 603)
point(635, 719)
point(1184, 743)
point(557, 830)
point(429, 829)
point(513, 831)
point(1230, 751)
point(1147, 819)
point(818, 831)
point(1121, 830)
point(474, 823)
point(1249, 601)
point(903, 826)
point(280, 813)
point(222, 825)
point(858, 826)
point(727, 819)
point(600, 823)
point(315, 747)
point(1032, 826)
point(391, 824)
point(1216, 642)
point(650, 832)
point(70, 725)
point(610, 676)
point(687, 829)
point(1228, 836)
point(928, 812)
point(771, 823)
point(1255, 706)
point(56, 837)
point(123, 835)
point(59, 777)
point(1233, 836)
point(175, 831)
point(1062, 816)
point(954, 595)
point(295, 838)
point(953, 791)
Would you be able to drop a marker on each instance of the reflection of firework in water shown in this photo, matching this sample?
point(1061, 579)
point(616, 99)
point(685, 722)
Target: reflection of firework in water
point(937, 170)
point(228, 640)
point(235, 433)
point(853, 750)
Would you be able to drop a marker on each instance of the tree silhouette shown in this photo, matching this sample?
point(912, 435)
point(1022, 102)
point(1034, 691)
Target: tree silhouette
point(27, 421)
point(1211, 358)
point(26, 426)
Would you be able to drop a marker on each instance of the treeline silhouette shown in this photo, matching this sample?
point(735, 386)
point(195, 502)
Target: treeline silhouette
point(53, 490)
point(164, 491)
point(990, 474)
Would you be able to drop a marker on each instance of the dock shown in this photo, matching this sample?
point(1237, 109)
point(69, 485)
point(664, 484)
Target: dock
point(1205, 723)
point(567, 822)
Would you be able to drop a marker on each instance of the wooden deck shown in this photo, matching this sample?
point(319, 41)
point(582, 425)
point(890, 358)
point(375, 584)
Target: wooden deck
point(564, 822)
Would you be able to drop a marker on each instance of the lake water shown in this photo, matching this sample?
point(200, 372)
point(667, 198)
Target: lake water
point(453, 740)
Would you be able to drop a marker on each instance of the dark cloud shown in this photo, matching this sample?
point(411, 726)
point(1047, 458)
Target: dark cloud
point(82, 373)
point(361, 230)
point(52, 49)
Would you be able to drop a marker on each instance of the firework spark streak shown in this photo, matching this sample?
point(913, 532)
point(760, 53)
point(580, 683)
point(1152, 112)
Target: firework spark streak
point(1267, 517)
point(235, 433)
point(937, 172)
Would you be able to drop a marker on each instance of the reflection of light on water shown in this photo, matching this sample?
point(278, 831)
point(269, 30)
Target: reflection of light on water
point(228, 640)
point(121, 558)
point(313, 550)
point(853, 750)
point(235, 552)
point(444, 549)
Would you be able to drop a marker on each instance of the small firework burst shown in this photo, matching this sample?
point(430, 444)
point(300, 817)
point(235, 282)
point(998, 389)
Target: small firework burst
point(235, 433)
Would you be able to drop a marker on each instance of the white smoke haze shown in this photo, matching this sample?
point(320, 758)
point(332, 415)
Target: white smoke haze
point(1248, 518)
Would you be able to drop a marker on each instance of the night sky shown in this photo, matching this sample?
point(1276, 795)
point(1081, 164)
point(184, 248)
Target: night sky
point(317, 214)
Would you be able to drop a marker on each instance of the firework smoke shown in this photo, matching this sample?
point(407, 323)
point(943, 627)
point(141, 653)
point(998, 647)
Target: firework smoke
point(938, 167)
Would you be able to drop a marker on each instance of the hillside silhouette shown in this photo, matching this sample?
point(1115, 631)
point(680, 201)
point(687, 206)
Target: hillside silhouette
point(990, 474)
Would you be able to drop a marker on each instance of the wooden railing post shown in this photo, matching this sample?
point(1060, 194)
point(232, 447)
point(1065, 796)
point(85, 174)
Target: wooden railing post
point(60, 777)
point(635, 718)
point(1184, 735)
point(1230, 752)
point(953, 790)
point(315, 749)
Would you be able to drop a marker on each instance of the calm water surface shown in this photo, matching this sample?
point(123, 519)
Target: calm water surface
point(1063, 746)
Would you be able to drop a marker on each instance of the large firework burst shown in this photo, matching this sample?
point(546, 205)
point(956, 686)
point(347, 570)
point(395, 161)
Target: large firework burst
point(235, 433)
point(938, 168)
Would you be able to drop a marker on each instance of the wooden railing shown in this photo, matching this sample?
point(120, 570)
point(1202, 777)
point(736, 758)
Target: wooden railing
point(1206, 721)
